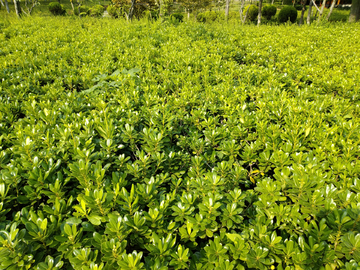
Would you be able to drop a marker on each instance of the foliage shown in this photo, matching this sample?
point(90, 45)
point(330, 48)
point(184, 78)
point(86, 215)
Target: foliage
point(56, 9)
point(287, 13)
point(84, 10)
point(140, 6)
point(113, 11)
point(189, 146)
point(194, 5)
point(268, 11)
point(208, 16)
point(299, 7)
point(177, 16)
point(288, 2)
point(166, 7)
point(96, 11)
point(252, 13)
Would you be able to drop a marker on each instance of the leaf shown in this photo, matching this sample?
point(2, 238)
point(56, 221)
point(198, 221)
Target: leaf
point(73, 220)
point(94, 219)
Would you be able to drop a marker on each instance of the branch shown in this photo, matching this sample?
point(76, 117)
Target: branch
point(315, 5)
point(23, 10)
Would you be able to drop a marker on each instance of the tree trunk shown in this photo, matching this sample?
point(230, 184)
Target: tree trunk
point(227, 6)
point(7, 6)
point(2, 3)
point(160, 8)
point(355, 11)
point(131, 10)
point(308, 19)
point(188, 14)
point(321, 11)
point(72, 6)
point(241, 10)
point(17, 8)
point(259, 15)
point(247, 11)
point(79, 10)
point(317, 8)
point(272, 2)
point(303, 2)
point(331, 9)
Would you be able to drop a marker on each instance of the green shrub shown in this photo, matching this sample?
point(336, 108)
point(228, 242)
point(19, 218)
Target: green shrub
point(216, 154)
point(288, 13)
point(56, 9)
point(113, 11)
point(211, 16)
point(288, 2)
point(234, 15)
point(252, 14)
point(154, 14)
point(177, 16)
point(208, 16)
point(269, 11)
point(299, 7)
point(83, 9)
point(96, 11)
point(201, 17)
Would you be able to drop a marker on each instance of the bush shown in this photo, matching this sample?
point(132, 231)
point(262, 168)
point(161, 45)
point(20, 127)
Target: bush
point(288, 13)
point(211, 16)
point(288, 2)
point(208, 16)
point(234, 15)
point(201, 17)
point(177, 16)
point(96, 11)
point(83, 9)
point(113, 11)
point(299, 7)
point(268, 11)
point(252, 14)
point(56, 9)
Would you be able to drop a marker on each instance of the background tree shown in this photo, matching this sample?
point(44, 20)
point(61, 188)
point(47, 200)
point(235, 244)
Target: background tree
point(355, 11)
point(331, 9)
point(165, 7)
point(188, 5)
point(17, 7)
point(308, 19)
point(303, 4)
point(135, 8)
point(6, 5)
point(29, 6)
point(259, 15)
point(242, 16)
point(219, 4)
point(194, 5)
point(227, 6)
point(321, 10)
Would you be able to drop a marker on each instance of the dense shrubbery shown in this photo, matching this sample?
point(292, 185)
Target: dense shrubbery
point(177, 16)
point(288, 2)
point(113, 11)
point(215, 16)
point(96, 11)
point(208, 16)
point(299, 7)
point(56, 9)
point(84, 10)
point(154, 146)
point(268, 11)
point(287, 13)
point(252, 13)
